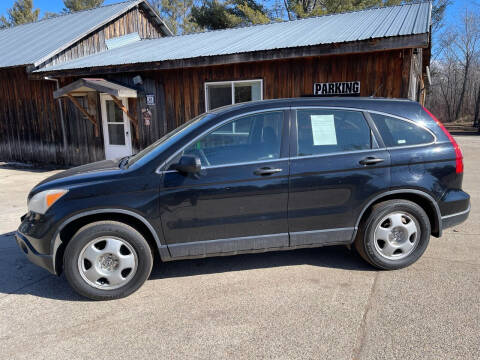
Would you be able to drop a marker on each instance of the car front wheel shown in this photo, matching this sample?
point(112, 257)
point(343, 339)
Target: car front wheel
point(107, 260)
point(394, 235)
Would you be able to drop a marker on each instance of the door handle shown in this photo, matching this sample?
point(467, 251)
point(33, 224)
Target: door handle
point(371, 160)
point(263, 171)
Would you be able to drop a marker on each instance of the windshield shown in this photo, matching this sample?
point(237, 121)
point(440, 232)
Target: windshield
point(164, 138)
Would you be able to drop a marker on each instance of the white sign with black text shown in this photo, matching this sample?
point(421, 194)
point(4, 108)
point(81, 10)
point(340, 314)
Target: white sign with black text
point(337, 88)
point(150, 99)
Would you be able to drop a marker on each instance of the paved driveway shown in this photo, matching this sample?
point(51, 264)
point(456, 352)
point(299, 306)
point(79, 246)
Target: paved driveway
point(320, 303)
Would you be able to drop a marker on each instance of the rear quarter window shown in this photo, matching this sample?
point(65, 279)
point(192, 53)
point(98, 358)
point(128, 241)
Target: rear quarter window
point(398, 132)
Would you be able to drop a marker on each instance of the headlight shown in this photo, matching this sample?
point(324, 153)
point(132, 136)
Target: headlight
point(42, 201)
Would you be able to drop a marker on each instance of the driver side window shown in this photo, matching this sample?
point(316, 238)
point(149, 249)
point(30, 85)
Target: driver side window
point(251, 138)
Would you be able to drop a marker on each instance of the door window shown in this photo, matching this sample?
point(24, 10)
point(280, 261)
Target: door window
point(251, 138)
point(323, 131)
point(398, 132)
point(115, 124)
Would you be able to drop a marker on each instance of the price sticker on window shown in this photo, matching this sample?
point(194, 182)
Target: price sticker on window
point(323, 130)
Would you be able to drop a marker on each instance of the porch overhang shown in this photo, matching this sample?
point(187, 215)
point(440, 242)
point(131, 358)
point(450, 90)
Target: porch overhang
point(84, 85)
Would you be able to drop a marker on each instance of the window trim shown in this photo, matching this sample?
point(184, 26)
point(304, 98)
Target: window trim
point(232, 88)
point(366, 112)
point(286, 120)
point(290, 117)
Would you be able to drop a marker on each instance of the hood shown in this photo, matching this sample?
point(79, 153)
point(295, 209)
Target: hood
point(93, 168)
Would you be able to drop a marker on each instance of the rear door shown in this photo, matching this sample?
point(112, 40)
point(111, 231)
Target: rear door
point(336, 167)
point(238, 202)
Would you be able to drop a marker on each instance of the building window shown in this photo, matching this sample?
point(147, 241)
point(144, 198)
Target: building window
point(223, 93)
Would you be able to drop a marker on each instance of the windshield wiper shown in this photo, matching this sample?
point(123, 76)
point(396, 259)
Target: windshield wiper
point(123, 161)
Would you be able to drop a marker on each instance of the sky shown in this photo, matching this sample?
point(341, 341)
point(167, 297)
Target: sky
point(43, 5)
point(57, 5)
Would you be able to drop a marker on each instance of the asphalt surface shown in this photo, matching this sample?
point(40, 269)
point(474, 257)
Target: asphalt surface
point(311, 304)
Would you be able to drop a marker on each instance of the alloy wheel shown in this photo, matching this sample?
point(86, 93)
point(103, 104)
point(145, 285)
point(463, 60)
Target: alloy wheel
point(107, 263)
point(396, 235)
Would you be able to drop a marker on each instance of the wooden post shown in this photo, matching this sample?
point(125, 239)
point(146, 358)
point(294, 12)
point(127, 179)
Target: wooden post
point(134, 120)
point(92, 119)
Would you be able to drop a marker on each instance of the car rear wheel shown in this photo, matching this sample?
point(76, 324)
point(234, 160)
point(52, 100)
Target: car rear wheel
point(394, 235)
point(107, 260)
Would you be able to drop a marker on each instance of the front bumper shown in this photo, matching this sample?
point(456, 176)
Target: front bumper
point(45, 261)
point(455, 219)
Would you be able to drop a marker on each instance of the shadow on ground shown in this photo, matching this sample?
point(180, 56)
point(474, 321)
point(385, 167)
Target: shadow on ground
point(19, 276)
point(34, 168)
point(464, 133)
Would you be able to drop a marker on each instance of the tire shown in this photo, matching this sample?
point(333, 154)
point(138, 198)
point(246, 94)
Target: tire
point(107, 260)
point(394, 235)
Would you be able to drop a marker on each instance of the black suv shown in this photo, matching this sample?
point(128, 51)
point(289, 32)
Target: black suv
point(381, 174)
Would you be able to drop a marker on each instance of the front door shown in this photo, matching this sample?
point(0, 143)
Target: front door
point(238, 202)
point(116, 128)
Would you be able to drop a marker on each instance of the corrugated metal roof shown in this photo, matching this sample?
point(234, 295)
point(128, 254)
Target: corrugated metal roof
point(122, 40)
point(35, 42)
point(407, 19)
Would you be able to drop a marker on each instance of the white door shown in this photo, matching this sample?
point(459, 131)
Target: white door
point(116, 128)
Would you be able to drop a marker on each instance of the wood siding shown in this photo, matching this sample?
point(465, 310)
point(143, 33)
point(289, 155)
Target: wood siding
point(30, 127)
point(380, 73)
point(30, 123)
point(134, 20)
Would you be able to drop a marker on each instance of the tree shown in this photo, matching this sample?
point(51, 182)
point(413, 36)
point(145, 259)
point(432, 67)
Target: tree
point(455, 72)
point(78, 5)
point(176, 14)
point(22, 12)
point(438, 13)
point(214, 15)
point(305, 8)
point(461, 48)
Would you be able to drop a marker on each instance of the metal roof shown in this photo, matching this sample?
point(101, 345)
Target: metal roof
point(36, 42)
point(100, 85)
point(122, 40)
point(407, 19)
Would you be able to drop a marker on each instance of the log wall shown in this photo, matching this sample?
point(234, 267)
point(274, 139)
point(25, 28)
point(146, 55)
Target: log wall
point(380, 73)
point(29, 118)
point(30, 127)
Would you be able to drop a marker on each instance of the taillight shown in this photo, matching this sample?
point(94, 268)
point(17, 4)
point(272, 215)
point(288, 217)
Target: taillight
point(458, 151)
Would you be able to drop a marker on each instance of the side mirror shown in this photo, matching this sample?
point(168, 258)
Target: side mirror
point(188, 164)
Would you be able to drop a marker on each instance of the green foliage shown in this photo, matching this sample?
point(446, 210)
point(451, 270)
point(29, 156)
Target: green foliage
point(214, 15)
point(22, 12)
point(78, 5)
point(306, 8)
point(176, 14)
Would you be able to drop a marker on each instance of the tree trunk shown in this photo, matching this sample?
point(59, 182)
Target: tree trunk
point(476, 117)
point(464, 87)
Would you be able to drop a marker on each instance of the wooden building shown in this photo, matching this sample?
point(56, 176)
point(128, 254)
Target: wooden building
point(126, 82)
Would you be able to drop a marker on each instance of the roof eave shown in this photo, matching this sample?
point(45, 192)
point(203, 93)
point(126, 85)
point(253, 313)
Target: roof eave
point(157, 17)
point(355, 47)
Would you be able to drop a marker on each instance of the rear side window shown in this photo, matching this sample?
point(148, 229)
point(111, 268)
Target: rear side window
point(323, 131)
point(397, 132)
